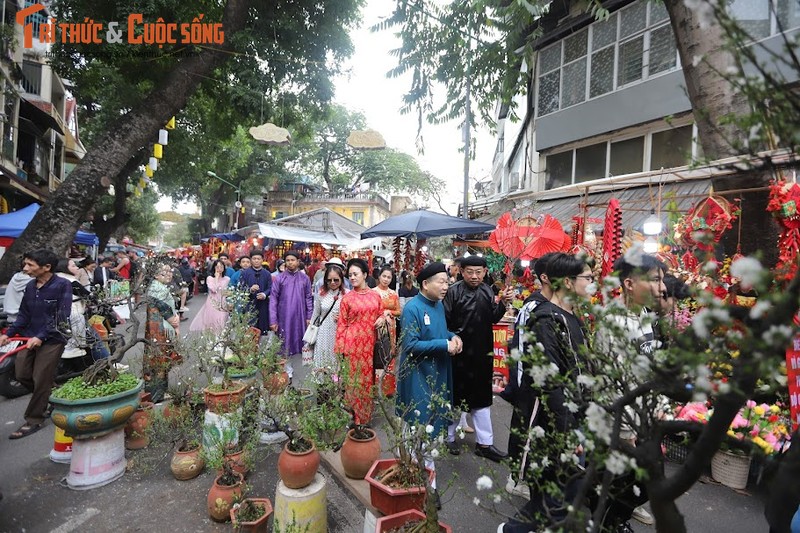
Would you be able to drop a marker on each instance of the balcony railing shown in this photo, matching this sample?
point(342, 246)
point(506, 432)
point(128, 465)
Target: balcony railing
point(32, 77)
point(320, 197)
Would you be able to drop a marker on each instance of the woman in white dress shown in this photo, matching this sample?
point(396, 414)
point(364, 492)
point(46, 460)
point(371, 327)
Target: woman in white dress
point(326, 312)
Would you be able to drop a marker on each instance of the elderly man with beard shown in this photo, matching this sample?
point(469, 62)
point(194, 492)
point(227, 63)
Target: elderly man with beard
point(471, 310)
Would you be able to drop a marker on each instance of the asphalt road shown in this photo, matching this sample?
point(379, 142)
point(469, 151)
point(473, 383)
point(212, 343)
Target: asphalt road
point(36, 501)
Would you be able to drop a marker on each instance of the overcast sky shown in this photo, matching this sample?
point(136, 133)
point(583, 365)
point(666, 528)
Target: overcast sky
point(367, 89)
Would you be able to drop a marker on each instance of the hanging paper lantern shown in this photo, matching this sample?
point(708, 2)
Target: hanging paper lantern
point(148, 171)
point(158, 151)
point(170, 124)
point(153, 163)
point(163, 137)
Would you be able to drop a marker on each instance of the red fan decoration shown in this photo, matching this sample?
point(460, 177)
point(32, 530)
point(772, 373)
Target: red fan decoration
point(784, 203)
point(547, 237)
point(712, 216)
point(612, 237)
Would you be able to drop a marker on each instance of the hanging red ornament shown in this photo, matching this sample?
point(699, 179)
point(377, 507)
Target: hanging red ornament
point(784, 199)
point(705, 223)
point(612, 237)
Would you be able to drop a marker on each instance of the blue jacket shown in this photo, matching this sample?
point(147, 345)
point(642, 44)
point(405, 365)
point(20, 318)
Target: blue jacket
point(44, 311)
point(424, 366)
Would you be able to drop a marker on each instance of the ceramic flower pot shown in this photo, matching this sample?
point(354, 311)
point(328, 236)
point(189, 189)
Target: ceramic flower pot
point(225, 401)
point(276, 382)
point(358, 455)
point(221, 498)
point(398, 520)
point(297, 470)
point(237, 462)
point(95, 417)
point(187, 464)
point(136, 436)
point(390, 500)
point(256, 526)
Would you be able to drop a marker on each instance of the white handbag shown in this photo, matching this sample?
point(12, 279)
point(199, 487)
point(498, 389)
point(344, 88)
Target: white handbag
point(310, 336)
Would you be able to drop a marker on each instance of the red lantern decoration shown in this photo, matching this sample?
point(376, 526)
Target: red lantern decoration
point(712, 217)
point(612, 237)
point(784, 202)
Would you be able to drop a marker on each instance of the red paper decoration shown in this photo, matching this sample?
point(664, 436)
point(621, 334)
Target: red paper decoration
point(784, 202)
point(612, 237)
point(711, 216)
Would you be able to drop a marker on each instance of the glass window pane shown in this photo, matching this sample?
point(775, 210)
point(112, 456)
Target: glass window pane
point(575, 46)
point(559, 170)
point(658, 12)
point(627, 157)
point(604, 32)
point(752, 16)
point(548, 92)
point(590, 162)
point(550, 58)
point(574, 83)
point(630, 61)
point(789, 13)
point(602, 79)
point(671, 148)
point(632, 19)
point(663, 52)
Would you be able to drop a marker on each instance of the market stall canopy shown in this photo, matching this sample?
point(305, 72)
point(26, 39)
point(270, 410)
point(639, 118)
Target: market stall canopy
point(423, 224)
point(286, 233)
point(13, 224)
point(325, 226)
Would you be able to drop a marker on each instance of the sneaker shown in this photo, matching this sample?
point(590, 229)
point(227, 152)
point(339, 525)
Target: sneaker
point(518, 489)
point(640, 514)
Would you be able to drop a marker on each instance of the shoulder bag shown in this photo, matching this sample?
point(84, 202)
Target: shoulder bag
point(310, 336)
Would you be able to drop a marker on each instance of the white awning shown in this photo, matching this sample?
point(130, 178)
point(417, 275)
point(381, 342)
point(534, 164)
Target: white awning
point(286, 233)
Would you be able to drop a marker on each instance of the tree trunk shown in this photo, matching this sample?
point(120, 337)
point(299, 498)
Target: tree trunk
point(55, 224)
point(705, 63)
point(104, 229)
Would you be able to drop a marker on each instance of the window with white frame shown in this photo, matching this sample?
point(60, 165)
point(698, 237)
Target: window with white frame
point(616, 157)
point(630, 46)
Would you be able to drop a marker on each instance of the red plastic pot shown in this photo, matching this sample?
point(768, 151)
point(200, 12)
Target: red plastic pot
point(398, 520)
point(390, 500)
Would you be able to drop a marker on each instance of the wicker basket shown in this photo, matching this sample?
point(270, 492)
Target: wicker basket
point(730, 469)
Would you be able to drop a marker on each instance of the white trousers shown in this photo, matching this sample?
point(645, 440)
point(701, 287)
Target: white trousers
point(482, 421)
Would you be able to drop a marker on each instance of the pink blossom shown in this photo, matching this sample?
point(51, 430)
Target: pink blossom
point(750, 404)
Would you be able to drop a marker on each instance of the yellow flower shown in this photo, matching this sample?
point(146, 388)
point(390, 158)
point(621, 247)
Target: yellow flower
point(731, 433)
point(759, 410)
point(774, 409)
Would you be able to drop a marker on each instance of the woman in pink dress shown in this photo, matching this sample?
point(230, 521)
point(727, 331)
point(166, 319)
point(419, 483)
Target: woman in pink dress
point(213, 314)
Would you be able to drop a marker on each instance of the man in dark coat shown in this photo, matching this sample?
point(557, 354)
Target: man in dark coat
point(258, 280)
point(471, 310)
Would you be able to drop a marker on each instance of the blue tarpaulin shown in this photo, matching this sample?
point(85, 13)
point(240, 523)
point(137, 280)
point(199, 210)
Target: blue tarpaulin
point(13, 224)
point(224, 237)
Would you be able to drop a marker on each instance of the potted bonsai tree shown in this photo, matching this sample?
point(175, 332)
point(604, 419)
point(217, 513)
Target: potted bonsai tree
point(251, 514)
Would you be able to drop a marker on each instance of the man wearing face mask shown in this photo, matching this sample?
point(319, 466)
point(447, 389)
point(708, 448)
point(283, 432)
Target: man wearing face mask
point(471, 310)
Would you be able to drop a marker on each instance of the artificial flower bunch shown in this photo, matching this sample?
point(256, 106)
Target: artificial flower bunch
point(766, 425)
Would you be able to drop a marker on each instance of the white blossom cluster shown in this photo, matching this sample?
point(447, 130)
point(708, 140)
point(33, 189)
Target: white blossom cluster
point(599, 422)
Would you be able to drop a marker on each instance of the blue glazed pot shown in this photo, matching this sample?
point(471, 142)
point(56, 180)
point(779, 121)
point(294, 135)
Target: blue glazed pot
point(95, 417)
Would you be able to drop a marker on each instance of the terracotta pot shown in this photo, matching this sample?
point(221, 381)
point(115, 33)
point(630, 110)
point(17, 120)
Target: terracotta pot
point(187, 464)
point(237, 462)
point(398, 520)
point(221, 497)
point(297, 470)
point(256, 526)
point(136, 436)
point(225, 401)
point(358, 454)
point(389, 500)
point(173, 413)
point(276, 382)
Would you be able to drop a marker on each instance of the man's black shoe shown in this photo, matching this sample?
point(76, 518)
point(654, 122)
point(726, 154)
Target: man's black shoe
point(490, 452)
point(454, 448)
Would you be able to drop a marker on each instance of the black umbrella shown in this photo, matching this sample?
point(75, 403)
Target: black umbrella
point(423, 224)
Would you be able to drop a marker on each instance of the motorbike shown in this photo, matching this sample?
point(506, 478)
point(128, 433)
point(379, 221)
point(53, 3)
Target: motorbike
point(101, 342)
